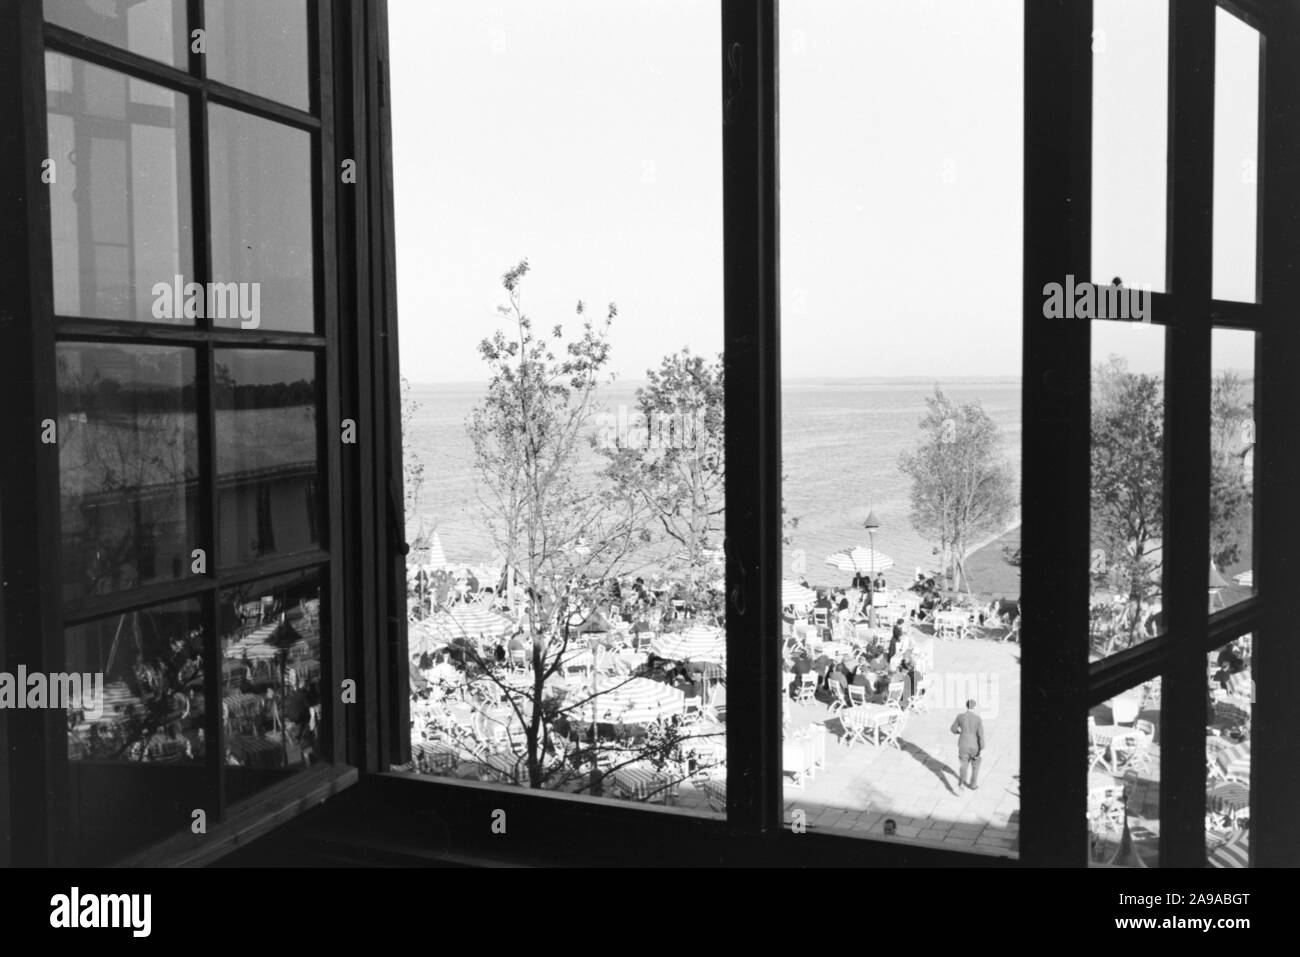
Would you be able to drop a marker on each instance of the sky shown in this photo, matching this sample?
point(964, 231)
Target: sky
point(585, 135)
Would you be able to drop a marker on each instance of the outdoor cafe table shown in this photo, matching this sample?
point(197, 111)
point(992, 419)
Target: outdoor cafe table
point(870, 715)
point(640, 781)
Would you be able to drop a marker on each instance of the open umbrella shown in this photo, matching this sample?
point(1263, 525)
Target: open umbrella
point(1228, 796)
point(1235, 761)
point(1235, 852)
point(697, 643)
point(792, 593)
point(860, 559)
point(634, 700)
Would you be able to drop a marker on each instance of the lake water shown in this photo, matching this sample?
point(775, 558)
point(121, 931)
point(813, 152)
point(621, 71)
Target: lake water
point(842, 440)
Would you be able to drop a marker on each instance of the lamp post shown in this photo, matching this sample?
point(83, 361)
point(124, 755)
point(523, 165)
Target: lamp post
point(871, 523)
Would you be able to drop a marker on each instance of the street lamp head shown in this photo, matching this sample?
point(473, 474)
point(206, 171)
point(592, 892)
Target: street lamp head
point(871, 522)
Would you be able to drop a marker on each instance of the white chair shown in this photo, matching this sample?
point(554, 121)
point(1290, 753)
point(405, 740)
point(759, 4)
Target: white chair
point(807, 688)
point(794, 760)
point(894, 729)
point(894, 694)
point(857, 695)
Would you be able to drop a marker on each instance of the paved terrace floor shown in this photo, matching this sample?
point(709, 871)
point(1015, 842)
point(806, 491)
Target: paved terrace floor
point(916, 785)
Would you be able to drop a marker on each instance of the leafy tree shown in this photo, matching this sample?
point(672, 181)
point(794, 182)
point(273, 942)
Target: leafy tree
point(1127, 484)
point(1231, 428)
point(961, 488)
point(675, 463)
point(562, 536)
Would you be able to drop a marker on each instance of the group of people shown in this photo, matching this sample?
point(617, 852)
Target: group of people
point(874, 668)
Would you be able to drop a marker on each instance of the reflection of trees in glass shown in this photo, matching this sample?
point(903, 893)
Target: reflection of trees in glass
point(126, 461)
point(1128, 412)
point(1128, 487)
point(1231, 495)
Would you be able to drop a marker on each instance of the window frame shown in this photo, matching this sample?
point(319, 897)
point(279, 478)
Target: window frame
point(356, 275)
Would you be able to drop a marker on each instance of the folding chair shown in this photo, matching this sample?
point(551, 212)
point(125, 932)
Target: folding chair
point(894, 729)
point(857, 695)
point(855, 727)
point(894, 694)
point(838, 699)
point(920, 700)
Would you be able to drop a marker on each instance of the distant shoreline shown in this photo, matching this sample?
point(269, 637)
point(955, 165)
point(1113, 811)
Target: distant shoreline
point(796, 381)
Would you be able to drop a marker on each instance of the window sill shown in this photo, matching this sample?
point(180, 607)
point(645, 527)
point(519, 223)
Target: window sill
point(248, 820)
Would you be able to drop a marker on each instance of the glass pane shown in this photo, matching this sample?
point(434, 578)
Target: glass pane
point(262, 221)
point(119, 194)
point(1236, 157)
point(888, 416)
point(135, 733)
point(1124, 778)
point(152, 28)
point(268, 467)
point(1232, 468)
point(1128, 447)
point(272, 707)
point(260, 46)
point(576, 645)
point(128, 466)
point(1130, 118)
point(1227, 754)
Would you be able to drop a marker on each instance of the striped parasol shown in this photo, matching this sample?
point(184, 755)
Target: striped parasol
point(697, 643)
point(794, 594)
point(436, 559)
point(1240, 684)
point(1233, 710)
point(634, 700)
point(1228, 796)
point(1235, 761)
point(1235, 852)
point(860, 559)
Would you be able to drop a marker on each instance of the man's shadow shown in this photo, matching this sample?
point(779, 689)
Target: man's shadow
point(931, 762)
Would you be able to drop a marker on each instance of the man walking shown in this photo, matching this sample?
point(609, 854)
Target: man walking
point(970, 744)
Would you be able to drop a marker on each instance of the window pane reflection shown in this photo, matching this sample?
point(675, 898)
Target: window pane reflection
point(1232, 468)
point(1237, 49)
point(136, 745)
point(128, 466)
point(261, 194)
point(271, 681)
point(1126, 566)
point(1227, 754)
point(267, 454)
point(1124, 778)
point(260, 46)
point(152, 28)
point(120, 193)
point(1130, 119)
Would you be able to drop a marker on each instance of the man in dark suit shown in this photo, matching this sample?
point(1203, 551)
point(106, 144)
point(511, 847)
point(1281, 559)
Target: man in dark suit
point(970, 744)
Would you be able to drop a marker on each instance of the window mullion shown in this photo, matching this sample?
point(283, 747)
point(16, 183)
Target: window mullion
point(1186, 539)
